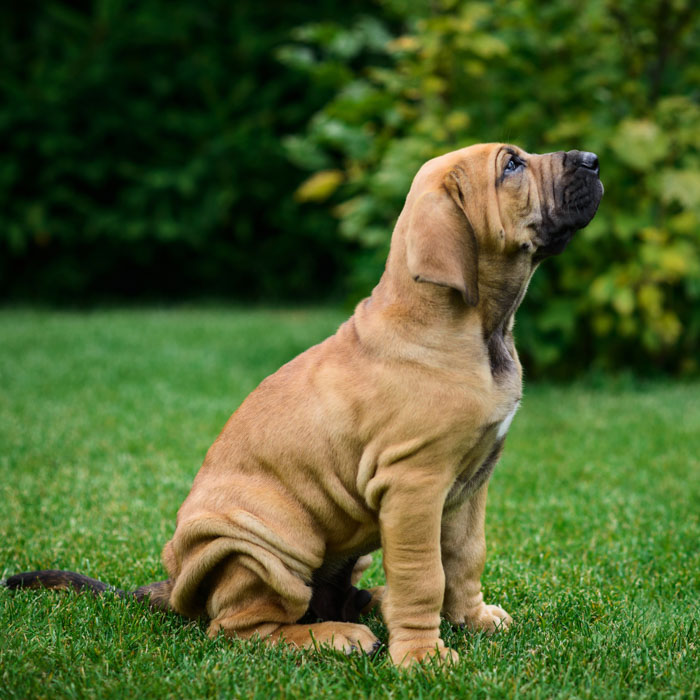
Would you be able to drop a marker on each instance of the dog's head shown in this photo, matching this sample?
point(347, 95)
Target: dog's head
point(480, 219)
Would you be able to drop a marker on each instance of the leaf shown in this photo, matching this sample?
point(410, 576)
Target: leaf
point(623, 301)
point(681, 186)
point(640, 143)
point(299, 57)
point(650, 299)
point(319, 187)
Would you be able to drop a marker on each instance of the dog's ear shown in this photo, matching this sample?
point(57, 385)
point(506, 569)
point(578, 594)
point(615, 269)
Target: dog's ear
point(441, 247)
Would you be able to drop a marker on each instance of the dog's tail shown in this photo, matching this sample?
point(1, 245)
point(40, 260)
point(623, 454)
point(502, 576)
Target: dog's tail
point(157, 595)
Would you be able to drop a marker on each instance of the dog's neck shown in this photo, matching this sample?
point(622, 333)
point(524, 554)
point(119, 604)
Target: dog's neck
point(498, 306)
point(434, 316)
point(498, 327)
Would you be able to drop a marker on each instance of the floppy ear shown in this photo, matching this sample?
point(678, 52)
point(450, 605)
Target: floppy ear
point(441, 247)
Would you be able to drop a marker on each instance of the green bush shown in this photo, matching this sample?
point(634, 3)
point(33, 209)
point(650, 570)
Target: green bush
point(142, 151)
point(618, 78)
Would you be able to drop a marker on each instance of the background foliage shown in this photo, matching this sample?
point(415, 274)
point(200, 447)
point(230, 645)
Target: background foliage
point(142, 152)
point(618, 78)
point(160, 149)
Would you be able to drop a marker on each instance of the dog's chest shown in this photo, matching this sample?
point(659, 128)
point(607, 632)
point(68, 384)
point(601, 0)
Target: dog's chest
point(504, 425)
point(479, 463)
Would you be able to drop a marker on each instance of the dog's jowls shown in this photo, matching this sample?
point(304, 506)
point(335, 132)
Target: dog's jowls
point(386, 434)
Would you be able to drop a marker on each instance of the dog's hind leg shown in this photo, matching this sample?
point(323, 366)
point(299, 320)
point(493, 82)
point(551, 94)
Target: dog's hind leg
point(334, 597)
point(241, 604)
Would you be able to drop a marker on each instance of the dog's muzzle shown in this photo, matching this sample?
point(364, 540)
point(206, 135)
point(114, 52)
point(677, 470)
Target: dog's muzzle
point(576, 194)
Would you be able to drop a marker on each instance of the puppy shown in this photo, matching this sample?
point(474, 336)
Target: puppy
point(384, 435)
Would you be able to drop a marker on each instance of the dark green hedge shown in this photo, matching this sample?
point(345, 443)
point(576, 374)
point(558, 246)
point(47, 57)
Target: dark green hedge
point(141, 152)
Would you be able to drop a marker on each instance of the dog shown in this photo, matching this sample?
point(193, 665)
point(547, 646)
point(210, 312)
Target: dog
point(384, 435)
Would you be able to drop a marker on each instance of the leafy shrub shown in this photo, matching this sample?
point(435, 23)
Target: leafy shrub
point(620, 79)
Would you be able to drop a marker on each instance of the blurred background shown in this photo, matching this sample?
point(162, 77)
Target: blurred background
point(260, 152)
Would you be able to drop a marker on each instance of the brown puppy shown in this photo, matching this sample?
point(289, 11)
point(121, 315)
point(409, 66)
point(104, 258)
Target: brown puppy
point(385, 434)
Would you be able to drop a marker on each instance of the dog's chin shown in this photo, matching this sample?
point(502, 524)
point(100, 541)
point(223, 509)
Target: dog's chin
point(561, 229)
point(556, 244)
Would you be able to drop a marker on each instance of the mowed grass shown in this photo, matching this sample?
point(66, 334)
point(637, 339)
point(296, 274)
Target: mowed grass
point(592, 523)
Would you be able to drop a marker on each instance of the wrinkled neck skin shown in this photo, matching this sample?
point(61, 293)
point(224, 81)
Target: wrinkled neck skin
point(408, 320)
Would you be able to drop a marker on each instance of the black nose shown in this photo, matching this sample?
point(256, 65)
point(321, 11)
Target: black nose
point(586, 159)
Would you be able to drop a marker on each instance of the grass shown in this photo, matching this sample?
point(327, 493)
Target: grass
point(105, 417)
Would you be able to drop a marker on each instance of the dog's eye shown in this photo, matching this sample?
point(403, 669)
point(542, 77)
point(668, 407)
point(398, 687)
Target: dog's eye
point(514, 163)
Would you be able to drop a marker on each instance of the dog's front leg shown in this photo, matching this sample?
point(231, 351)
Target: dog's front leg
point(463, 557)
point(409, 519)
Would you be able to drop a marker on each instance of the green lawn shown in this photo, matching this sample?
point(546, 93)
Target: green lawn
point(593, 534)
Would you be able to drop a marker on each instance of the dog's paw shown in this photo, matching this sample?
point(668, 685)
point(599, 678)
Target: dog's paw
point(489, 619)
point(342, 636)
point(375, 601)
point(407, 654)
